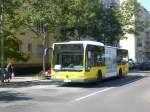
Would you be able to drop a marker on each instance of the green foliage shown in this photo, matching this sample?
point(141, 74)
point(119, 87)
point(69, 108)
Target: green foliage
point(131, 19)
point(111, 26)
point(69, 20)
point(129, 9)
point(66, 19)
point(11, 25)
point(11, 46)
point(76, 19)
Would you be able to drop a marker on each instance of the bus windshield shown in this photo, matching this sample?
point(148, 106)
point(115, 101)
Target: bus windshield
point(68, 57)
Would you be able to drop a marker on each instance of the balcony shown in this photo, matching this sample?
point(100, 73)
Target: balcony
point(147, 48)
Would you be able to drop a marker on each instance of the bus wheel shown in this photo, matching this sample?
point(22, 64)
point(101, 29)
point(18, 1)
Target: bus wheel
point(99, 76)
point(120, 73)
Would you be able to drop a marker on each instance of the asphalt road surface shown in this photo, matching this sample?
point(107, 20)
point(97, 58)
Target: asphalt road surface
point(129, 94)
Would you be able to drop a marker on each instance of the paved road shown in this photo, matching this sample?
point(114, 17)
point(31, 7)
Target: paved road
point(130, 94)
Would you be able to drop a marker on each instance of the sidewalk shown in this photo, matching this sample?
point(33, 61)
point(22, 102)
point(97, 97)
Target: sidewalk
point(24, 78)
point(23, 83)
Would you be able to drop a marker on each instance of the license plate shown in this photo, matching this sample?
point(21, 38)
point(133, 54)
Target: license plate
point(67, 80)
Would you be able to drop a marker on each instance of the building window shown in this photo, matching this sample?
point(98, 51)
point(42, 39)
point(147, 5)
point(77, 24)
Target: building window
point(147, 35)
point(40, 50)
point(147, 44)
point(139, 43)
point(30, 48)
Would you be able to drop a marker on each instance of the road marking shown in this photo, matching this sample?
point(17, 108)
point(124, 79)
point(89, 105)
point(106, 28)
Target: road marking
point(92, 94)
point(104, 90)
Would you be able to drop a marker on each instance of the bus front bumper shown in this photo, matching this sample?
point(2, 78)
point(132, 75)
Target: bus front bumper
point(78, 80)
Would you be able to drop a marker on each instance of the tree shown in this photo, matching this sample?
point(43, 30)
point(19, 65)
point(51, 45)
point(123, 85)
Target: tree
point(39, 13)
point(65, 19)
point(82, 19)
point(78, 19)
point(130, 18)
point(111, 26)
point(119, 20)
point(11, 24)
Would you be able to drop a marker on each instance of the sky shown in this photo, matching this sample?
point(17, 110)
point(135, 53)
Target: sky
point(145, 3)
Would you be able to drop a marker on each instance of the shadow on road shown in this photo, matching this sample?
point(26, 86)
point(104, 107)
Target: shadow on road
point(7, 96)
point(111, 82)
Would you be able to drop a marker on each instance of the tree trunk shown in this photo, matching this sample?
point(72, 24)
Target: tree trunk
point(45, 55)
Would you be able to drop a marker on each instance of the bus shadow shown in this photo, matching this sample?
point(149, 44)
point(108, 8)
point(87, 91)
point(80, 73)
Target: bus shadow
point(111, 82)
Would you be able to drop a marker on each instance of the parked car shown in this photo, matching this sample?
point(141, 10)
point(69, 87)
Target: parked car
point(145, 66)
point(137, 65)
point(48, 74)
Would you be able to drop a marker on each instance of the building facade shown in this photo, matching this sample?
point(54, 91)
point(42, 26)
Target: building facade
point(32, 46)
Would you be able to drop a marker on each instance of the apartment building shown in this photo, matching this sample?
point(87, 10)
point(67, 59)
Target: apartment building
point(143, 39)
point(32, 46)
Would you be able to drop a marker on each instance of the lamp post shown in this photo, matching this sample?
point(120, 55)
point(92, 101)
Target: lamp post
point(2, 40)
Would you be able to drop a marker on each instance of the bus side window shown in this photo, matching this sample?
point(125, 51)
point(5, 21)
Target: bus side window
point(95, 56)
point(122, 56)
point(99, 60)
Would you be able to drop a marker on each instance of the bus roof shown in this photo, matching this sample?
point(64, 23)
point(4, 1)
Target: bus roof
point(85, 43)
point(82, 42)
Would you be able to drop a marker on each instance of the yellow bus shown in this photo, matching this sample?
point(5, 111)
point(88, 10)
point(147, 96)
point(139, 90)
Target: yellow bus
point(87, 61)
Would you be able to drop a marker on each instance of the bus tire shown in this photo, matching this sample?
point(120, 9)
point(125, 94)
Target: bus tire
point(99, 76)
point(120, 73)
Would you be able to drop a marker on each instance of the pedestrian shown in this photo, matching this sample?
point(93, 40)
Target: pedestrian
point(9, 69)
